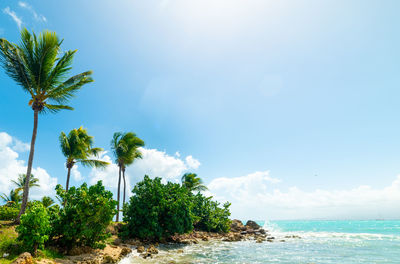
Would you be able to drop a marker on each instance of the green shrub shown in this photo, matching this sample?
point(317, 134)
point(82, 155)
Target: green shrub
point(8, 212)
point(208, 216)
point(34, 228)
point(157, 210)
point(84, 217)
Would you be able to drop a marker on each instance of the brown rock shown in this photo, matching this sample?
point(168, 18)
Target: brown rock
point(145, 255)
point(236, 225)
point(152, 250)
point(260, 240)
point(24, 258)
point(125, 251)
point(140, 249)
point(80, 250)
point(109, 259)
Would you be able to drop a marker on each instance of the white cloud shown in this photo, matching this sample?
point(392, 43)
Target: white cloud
point(76, 174)
point(20, 146)
point(37, 16)
point(14, 16)
point(254, 197)
point(154, 163)
point(11, 166)
point(192, 163)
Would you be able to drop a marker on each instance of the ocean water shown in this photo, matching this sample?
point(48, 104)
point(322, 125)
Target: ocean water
point(320, 242)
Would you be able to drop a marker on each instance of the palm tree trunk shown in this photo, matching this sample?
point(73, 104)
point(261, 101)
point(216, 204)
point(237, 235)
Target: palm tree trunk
point(68, 175)
point(119, 187)
point(29, 169)
point(123, 175)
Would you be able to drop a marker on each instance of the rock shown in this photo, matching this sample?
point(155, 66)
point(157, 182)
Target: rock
point(125, 251)
point(145, 255)
point(204, 238)
point(152, 250)
point(270, 237)
point(179, 251)
point(243, 232)
point(282, 240)
point(109, 259)
point(260, 240)
point(236, 225)
point(140, 249)
point(262, 231)
point(232, 237)
point(250, 231)
point(253, 225)
point(80, 250)
point(24, 258)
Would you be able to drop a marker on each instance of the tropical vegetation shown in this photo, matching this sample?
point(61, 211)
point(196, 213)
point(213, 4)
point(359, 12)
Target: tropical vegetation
point(77, 147)
point(84, 216)
point(20, 182)
point(125, 148)
point(35, 228)
point(155, 211)
point(40, 67)
point(192, 182)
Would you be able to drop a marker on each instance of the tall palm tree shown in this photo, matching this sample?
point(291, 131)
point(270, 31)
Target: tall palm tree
point(40, 67)
point(125, 148)
point(14, 196)
point(193, 183)
point(20, 182)
point(77, 147)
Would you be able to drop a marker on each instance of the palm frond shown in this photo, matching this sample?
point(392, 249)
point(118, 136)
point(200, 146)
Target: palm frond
point(55, 108)
point(14, 65)
point(94, 163)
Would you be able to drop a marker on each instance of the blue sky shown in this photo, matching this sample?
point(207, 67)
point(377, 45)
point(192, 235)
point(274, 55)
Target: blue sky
point(305, 92)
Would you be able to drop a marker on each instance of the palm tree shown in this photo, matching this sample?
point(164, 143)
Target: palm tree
point(77, 148)
point(20, 182)
point(39, 66)
point(125, 147)
point(193, 183)
point(47, 201)
point(14, 196)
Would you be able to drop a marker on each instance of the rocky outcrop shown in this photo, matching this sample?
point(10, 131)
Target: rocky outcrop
point(24, 258)
point(152, 250)
point(109, 255)
point(236, 225)
point(252, 224)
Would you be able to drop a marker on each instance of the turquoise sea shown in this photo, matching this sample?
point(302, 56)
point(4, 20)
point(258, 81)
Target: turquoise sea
point(320, 242)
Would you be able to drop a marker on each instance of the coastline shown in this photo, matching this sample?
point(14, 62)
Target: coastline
point(117, 249)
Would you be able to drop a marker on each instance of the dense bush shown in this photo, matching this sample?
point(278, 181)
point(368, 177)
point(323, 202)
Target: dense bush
point(84, 217)
point(34, 228)
point(157, 210)
point(208, 216)
point(9, 211)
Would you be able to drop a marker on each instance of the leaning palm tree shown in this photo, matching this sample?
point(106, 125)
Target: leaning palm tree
point(193, 183)
point(125, 147)
point(14, 196)
point(77, 147)
point(39, 66)
point(20, 182)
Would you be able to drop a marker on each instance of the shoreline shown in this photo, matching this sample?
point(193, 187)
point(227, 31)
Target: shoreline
point(117, 249)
